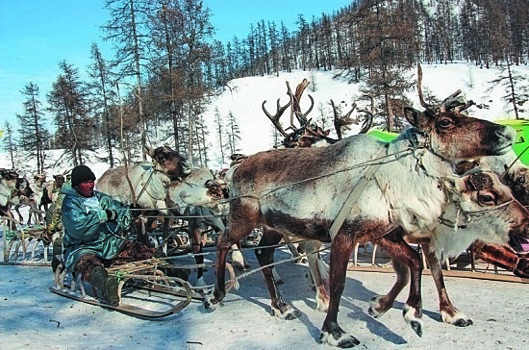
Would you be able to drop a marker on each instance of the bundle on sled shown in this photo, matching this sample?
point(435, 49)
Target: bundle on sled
point(150, 289)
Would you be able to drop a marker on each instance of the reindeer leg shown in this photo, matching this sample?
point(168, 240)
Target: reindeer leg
point(449, 313)
point(242, 220)
point(355, 254)
point(141, 232)
point(379, 305)
point(402, 253)
point(237, 259)
point(320, 275)
point(265, 256)
point(196, 242)
point(331, 333)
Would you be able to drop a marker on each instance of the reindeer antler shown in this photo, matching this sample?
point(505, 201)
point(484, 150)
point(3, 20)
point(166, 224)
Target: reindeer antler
point(452, 102)
point(295, 109)
point(368, 121)
point(346, 120)
point(342, 122)
point(275, 119)
point(295, 98)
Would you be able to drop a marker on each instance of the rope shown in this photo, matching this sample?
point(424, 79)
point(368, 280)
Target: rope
point(351, 199)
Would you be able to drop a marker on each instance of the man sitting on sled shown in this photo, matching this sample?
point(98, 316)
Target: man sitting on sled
point(94, 224)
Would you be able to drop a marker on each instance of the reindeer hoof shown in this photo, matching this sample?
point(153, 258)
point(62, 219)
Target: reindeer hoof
point(463, 323)
point(286, 312)
point(376, 308)
point(338, 338)
point(211, 304)
point(456, 318)
point(417, 327)
point(411, 318)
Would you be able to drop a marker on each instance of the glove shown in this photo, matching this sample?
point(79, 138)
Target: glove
point(135, 210)
point(111, 214)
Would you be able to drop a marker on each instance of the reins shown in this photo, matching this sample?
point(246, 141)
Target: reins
point(469, 215)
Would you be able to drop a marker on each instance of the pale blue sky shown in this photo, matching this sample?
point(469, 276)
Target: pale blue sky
point(35, 35)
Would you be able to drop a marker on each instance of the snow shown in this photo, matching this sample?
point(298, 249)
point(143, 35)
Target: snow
point(244, 97)
point(33, 317)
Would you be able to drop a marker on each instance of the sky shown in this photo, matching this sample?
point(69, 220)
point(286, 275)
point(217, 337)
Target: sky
point(35, 35)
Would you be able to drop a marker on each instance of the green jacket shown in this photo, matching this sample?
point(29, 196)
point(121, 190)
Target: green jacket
point(87, 229)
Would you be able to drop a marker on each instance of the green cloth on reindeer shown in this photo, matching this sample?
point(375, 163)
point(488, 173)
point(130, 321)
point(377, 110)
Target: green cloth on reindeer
point(86, 225)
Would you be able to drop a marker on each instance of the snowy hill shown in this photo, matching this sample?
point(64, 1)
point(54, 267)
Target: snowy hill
point(244, 97)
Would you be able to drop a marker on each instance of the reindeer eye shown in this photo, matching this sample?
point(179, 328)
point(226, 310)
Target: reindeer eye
point(521, 179)
point(487, 199)
point(445, 123)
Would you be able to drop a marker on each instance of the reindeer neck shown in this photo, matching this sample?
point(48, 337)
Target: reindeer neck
point(421, 156)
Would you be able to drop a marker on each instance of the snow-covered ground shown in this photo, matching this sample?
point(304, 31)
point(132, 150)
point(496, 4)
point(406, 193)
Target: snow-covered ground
point(31, 317)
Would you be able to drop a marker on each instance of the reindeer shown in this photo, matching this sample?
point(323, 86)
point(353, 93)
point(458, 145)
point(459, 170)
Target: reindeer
point(171, 188)
point(504, 255)
point(9, 182)
point(354, 189)
point(310, 135)
point(52, 190)
point(145, 184)
point(20, 192)
point(452, 240)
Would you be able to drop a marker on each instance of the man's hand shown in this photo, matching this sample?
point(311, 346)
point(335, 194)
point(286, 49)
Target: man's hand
point(111, 214)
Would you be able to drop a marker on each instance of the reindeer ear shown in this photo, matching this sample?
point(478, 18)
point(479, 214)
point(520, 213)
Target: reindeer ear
point(452, 184)
point(150, 151)
point(480, 181)
point(417, 118)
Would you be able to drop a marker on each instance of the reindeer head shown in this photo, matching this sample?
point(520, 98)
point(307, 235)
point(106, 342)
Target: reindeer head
point(23, 187)
point(481, 207)
point(517, 178)
point(59, 179)
point(9, 178)
point(168, 161)
point(455, 136)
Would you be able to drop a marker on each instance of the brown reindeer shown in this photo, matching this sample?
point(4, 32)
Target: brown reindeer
point(307, 193)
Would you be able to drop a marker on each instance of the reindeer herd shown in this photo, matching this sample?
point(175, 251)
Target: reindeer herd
point(448, 182)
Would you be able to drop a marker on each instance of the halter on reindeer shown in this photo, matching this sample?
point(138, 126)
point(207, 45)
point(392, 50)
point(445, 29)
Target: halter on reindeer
point(300, 192)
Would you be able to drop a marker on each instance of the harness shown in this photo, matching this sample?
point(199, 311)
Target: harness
point(469, 216)
point(370, 173)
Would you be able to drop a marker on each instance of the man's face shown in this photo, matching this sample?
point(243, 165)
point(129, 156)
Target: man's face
point(86, 188)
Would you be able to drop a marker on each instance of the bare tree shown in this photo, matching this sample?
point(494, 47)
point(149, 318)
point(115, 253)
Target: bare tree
point(32, 131)
point(126, 28)
point(515, 85)
point(9, 143)
point(102, 96)
point(68, 102)
point(233, 133)
point(219, 127)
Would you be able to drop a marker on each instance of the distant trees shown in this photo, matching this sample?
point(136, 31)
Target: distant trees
point(515, 86)
point(9, 143)
point(68, 102)
point(168, 66)
point(233, 133)
point(32, 132)
point(102, 98)
point(127, 29)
